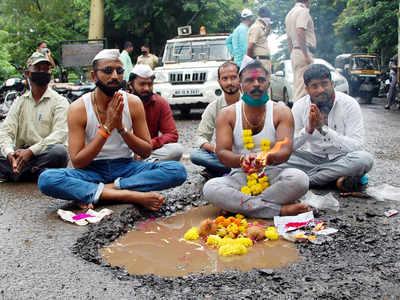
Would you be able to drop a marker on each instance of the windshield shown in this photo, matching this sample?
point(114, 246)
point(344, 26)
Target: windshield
point(364, 62)
point(191, 51)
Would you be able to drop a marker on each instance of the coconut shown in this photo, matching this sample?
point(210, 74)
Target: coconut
point(207, 227)
point(255, 232)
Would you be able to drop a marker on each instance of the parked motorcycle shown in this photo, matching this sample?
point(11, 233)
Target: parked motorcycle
point(73, 91)
point(10, 90)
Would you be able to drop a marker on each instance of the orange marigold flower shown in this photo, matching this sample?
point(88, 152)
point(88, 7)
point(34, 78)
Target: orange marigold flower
point(220, 219)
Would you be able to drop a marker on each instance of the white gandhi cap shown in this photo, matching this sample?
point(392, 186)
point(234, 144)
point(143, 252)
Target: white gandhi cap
point(107, 54)
point(143, 71)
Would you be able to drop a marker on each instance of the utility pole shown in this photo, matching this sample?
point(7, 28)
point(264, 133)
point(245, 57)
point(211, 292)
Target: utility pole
point(398, 45)
point(96, 21)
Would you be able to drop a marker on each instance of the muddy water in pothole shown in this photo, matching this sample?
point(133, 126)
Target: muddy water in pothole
point(157, 247)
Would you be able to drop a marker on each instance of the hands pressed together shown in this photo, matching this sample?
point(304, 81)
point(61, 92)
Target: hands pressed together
point(19, 159)
point(315, 120)
point(114, 113)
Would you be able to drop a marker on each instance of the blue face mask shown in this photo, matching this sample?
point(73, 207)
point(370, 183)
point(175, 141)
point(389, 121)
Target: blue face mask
point(250, 101)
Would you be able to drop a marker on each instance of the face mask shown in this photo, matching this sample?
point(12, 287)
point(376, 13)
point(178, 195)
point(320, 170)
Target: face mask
point(250, 101)
point(267, 21)
point(143, 52)
point(109, 91)
point(40, 78)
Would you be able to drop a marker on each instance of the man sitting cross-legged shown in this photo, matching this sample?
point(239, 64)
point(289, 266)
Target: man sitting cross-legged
point(228, 79)
point(329, 134)
point(267, 120)
point(105, 128)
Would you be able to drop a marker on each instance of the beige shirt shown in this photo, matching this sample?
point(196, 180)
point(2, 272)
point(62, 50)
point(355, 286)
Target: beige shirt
point(150, 60)
point(299, 17)
point(208, 121)
point(35, 125)
point(258, 35)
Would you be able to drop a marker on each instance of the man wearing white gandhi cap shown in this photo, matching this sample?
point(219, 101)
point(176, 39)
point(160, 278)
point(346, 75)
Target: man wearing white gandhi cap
point(106, 127)
point(161, 124)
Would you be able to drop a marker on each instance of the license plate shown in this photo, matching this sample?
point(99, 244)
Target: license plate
point(187, 92)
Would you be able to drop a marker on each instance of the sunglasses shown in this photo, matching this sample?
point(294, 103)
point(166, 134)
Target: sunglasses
point(110, 70)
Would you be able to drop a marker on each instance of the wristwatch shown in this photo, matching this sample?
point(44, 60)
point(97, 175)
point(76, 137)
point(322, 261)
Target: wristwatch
point(123, 131)
point(324, 130)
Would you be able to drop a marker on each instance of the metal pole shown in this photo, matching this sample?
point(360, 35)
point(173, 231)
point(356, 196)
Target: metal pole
point(398, 45)
point(96, 21)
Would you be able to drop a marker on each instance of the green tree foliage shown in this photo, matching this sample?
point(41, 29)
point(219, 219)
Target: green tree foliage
point(153, 22)
point(29, 21)
point(6, 69)
point(368, 26)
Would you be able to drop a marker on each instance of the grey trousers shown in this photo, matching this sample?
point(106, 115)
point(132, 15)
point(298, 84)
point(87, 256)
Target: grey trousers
point(322, 171)
point(172, 151)
point(55, 156)
point(286, 186)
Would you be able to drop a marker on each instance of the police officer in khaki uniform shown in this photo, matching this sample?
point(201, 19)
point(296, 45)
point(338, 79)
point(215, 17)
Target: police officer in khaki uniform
point(302, 43)
point(257, 38)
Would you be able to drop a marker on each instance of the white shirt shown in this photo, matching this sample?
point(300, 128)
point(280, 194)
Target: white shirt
point(345, 128)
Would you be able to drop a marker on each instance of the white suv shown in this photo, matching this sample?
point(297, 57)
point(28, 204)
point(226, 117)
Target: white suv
point(188, 77)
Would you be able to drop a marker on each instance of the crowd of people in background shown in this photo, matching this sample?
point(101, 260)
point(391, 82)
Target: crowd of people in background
point(123, 145)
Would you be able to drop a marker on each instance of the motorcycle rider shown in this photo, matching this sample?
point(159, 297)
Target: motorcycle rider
point(391, 95)
point(34, 134)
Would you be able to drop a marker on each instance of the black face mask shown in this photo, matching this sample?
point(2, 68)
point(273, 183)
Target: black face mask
point(108, 90)
point(40, 78)
point(143, 52)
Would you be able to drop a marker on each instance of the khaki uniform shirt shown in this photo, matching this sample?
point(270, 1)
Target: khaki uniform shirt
point(150, 60)
point(299, 17)
point(258, 35)
point(35, 125)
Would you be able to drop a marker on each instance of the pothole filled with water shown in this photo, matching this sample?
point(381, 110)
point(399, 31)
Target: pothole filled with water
point(157, 246)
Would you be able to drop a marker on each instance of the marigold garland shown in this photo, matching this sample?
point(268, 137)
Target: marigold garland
point(231, 238)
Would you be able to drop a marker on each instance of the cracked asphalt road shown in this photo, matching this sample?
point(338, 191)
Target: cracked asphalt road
point(37, 260)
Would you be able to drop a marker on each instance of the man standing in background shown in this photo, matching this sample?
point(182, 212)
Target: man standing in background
point(147, 58)
point(257, 38)
point(126, 60)
point(301, 42)
point(237, 41)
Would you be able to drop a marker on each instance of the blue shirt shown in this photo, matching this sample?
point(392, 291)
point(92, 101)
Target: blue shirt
point(237, 43)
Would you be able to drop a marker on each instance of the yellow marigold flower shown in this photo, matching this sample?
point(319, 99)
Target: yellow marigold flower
point(271, 228)
point(232, 249)
point(265, 142)
point(219, 220)
point(271, 235)
point(213, 240)
point(251, 183)
point(233, 228)
point(263, 179)
point(254, 176)
point(222, 232)
point(243, 223)
point(231, 235)
point(192, 234)
point(247, 139)
point(237, 222)
point(244, 241)
point(265, 185)
point(239, 216)
point(245, 190)
point(242, 229)
point(248, 146)
point(225, 241)
point(247, 132)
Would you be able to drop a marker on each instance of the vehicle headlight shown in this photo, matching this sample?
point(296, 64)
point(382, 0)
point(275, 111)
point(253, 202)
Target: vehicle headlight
point(160, 77)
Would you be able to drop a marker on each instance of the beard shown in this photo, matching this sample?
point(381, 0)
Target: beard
point(230, 90)
point(107, 89)
point(324, 101)
point(144, 97)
